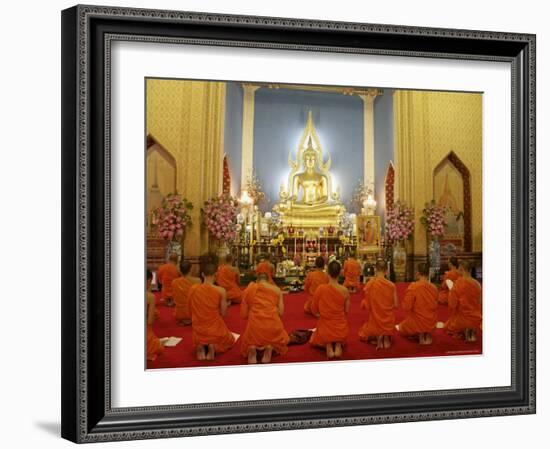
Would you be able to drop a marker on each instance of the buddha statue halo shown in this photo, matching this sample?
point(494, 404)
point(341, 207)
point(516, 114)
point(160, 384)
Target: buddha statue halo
point(309, 199)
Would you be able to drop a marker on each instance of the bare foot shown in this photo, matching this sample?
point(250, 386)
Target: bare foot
point(211, 352)
point(268, 352)
point(338, 350)
point(380, 342)
point(330, 351)
point(200, 353)
point(470, 335)
point(428, 338)
point(252, 355)
point(421, 339)
point(387, 341)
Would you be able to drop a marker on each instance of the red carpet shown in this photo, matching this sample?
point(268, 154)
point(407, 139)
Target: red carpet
point(182, 355)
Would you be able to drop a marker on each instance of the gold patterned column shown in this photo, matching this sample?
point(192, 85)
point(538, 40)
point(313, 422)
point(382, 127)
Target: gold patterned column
point(249, 91)
point(368, 136)
point(412, 173)
point(187, 119)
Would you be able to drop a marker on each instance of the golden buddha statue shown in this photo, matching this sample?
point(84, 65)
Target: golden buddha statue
point(310, 185)
point(309, 200)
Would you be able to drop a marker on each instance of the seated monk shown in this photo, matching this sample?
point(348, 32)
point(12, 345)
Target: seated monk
point(166, 274)
point(420, 306)
point(180, 289)
point(263, 306)
point(464, 305)
point(154, 346)
point(352, 272)
point(228, 277)
point(331, 302)
point(265, 266)
point(380, 301)
point(314, 278)
point(452, 274)
point(208, 305)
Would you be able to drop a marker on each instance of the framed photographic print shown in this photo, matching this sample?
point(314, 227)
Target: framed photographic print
point(368, 233)
point(221, 176)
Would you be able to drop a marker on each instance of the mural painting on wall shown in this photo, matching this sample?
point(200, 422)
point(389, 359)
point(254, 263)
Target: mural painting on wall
point(449, 193)
point(161, 175)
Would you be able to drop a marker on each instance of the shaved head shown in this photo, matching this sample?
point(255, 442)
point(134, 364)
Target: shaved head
point(381, 265)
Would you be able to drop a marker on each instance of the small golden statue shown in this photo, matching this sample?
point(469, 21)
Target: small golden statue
point(309, 200)
point(310, 185)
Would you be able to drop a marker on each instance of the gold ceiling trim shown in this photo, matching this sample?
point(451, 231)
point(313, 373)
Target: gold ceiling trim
point(373, 92)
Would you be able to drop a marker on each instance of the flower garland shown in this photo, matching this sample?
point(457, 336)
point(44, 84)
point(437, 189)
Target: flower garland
point(220, 214)
point(399, 222)
point(433, 218)
point(172, 217)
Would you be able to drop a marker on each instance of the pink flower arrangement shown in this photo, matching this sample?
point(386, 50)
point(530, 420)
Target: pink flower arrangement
point(220, 214)
point(172, 217)
point(433, 218)
point(399, 222)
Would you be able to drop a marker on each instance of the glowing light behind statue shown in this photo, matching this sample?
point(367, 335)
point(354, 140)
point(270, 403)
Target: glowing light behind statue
point(309, 199)
point(309, 149)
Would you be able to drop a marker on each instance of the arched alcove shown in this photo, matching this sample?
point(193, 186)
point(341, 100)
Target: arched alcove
point(161, 173)
point(452, 188)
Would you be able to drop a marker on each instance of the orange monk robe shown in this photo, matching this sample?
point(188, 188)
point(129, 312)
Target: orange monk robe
point(208, 324)
point(420, 306)
point(379, 301)
point(464, 305)
point(452, 275)
point(228, 279)
point(166, 274)
point(352, 271)
point(264, 326)
point(332, 326)
point(313, 280)
point(267, 268)
point(180, 289)
point(154, 346)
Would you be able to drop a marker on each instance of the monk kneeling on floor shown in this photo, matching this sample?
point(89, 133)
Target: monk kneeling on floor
point(180, 290)
point(464, 305)
point(352, 272)
point(263, 306)
point(313, 280)
point(452, 274)
point(331, 302)
point(166, 274)
point(380, 301)
point(208, 305)
point(154, 346)
point(265, 266)
point(420, 306)
point(228, 277)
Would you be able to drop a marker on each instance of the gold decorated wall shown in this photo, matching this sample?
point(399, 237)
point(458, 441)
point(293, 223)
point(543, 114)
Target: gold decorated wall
point(187, 119)
point(428, 126)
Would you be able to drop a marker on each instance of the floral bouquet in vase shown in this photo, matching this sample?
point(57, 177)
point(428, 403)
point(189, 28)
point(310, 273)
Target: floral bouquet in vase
point(171, 218)
point(220, 217)
point(399, 223)
point(433, 218)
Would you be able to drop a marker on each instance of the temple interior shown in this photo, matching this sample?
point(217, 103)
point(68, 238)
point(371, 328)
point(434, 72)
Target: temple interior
point(315, 171)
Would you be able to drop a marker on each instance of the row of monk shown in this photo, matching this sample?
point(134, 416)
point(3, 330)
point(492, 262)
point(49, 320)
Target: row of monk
point(203, 304)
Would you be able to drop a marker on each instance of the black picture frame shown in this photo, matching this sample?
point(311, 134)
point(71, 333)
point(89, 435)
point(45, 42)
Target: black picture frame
point(87, 415)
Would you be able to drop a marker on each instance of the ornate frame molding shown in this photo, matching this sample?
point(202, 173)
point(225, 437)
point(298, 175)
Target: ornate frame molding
point(87, 415)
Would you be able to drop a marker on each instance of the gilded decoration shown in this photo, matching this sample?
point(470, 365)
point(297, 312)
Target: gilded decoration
point(309, 199)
